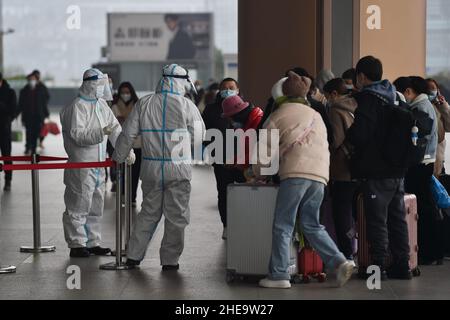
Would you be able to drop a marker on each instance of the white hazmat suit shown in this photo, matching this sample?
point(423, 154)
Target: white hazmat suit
point(86, 124)
point(165, 182)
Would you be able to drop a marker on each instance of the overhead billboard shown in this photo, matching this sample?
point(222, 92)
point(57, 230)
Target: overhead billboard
point(157, 37)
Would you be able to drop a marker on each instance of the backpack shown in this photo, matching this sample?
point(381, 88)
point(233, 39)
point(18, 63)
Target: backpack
point(402, 147)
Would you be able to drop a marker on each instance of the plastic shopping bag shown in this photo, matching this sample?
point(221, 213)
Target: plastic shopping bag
point(16, 131)
point(53, 128)
point(440, 195)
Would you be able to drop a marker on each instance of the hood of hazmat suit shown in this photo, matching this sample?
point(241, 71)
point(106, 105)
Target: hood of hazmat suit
point(85, 141)
point(83, 120)
point(166, 121)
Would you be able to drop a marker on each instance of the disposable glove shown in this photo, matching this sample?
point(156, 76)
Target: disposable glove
point(131, 159)
point(107, 130)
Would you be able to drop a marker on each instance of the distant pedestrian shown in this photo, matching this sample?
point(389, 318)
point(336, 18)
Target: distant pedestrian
point(8, 105)
point(33, 105)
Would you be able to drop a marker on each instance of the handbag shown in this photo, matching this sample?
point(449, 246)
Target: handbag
point(50, 127)
point(53, 128)
point(16, 131)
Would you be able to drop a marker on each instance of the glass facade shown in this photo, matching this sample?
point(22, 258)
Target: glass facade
point(438, 36)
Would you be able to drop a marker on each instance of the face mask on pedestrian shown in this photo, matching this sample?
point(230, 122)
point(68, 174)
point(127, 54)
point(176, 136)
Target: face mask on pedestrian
point(126, 97)
point(349, 87)
point(228, 93)
point(433, 95)
point(237, 125)
point(32, 83)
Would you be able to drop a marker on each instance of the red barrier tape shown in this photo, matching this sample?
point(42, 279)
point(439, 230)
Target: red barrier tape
point(50, 166)
point(29, 158)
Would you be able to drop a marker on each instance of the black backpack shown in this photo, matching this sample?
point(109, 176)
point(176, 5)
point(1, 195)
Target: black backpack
point(399, 149)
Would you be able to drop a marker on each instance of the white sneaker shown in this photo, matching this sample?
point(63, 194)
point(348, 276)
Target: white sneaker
point(353, 263)
point(344, 273)
point(275, 284)
point(224, 234)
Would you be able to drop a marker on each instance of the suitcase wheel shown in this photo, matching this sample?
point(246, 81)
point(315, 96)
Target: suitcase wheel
point(322, 277)
point(296, 279)
point(306, 278)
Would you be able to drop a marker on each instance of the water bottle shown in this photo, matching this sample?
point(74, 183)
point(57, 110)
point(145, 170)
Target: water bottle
point(414, 135)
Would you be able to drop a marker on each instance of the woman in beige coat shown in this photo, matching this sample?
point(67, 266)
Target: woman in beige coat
point(304, 173)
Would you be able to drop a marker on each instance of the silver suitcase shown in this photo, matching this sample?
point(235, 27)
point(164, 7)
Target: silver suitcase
point(250, 212)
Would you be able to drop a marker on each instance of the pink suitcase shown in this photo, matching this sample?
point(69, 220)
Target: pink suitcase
point(364, 259)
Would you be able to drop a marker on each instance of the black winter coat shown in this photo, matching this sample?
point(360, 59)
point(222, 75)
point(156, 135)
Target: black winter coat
point(367, 135)
point(8, 105)
point(33, 103)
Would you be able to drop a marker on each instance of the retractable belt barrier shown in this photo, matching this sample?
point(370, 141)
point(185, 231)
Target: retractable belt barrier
point(30, 158)
point(35, 166)
point(53, 166)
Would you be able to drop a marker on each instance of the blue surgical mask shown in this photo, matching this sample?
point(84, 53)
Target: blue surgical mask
point(433, 95)
point(237, 125)
point(228, 93)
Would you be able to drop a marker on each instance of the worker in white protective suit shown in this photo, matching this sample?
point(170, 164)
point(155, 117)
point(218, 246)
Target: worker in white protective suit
point(165, 174)
point(86, 125)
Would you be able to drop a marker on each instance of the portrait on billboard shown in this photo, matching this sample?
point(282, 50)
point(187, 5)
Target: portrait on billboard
point(181, 45)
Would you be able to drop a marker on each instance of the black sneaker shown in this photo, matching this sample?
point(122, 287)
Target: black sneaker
point(399, 273)
point(132, 263)
point(99, 251)
point(7, 186)
point(79, 253)
point(113, 187)
point(170, 267)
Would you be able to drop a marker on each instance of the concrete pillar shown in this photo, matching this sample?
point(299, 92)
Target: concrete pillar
point(273, 37)
point(393, 31)
point(315, 34)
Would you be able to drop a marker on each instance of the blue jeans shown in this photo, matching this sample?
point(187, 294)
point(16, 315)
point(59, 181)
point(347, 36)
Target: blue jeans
point(303, 196)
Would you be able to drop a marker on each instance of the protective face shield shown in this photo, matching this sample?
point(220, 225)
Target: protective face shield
point(100, 91)
point(228, 93)
point(96, 85)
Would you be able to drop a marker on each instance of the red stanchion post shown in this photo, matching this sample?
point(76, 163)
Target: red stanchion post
point(36, 248)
